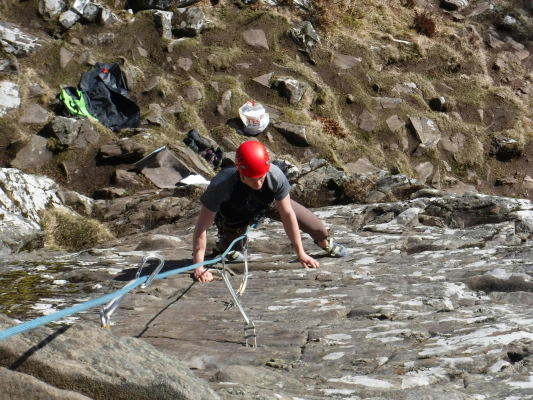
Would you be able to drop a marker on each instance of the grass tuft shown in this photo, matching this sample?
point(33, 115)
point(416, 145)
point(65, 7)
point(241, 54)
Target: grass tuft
point(71, 232)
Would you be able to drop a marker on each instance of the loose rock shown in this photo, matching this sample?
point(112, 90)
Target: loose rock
point(34, 115)
point(426, 131)
point(305, 36)
point(34, 154)
point(256, 38)
point(343, 61)
point(505, 148)
point(189, 21)
point(292, 89)
point(295, 133)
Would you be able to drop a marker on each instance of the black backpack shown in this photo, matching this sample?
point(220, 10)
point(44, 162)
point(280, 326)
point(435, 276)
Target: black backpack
point(103, 94)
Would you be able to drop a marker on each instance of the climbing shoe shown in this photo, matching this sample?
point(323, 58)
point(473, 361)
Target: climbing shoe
point(234, 256)
point(336, 250)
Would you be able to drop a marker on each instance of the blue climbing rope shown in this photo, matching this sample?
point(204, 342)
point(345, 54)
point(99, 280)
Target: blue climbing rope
point(26, 326)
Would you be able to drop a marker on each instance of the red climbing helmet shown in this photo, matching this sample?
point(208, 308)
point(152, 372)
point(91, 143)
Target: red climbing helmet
point(252, 159)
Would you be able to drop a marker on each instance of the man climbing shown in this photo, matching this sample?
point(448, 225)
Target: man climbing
point(251, 190)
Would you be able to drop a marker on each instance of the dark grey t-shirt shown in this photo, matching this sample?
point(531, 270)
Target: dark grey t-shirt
point(235, 201)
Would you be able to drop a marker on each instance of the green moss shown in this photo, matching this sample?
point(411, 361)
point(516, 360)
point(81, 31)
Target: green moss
point(19, 290)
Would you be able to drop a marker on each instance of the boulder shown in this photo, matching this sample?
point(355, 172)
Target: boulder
point(304, 5)
point(65, 130)
point(394, 123)
point(34, 154)
point(9, 97)
point(452, 144)
point(293, 132)
point(399, 185)
point(225, 103)
point(163, 168)
point(16, 42)
point(291, 88)
point(82, 204)
point(425, 130)
point(125, 178)
point(509, 22)
point(507, 181)
point(192, 94)
point(480, 9)
point(505, 148)
point(68, 18)
point(189, 21)
point(34, 114)
point(65, 56)
point(305, 36)
point(343, 61)
point(124, 151)
point(163, 23)
point(9, 67)
point(92, 361)
point(107, 18)
point(191, 160)
point(155, 117)
point(424, 170)
point(363, 166)
point(49, 8)
point(374, 196)
point(453, 5)
point(528, 182)
point(146, 210)
point(290, 170)
point(109, 193)
point(256, 38)
point(407, 88)
point(22, 197)
point(319, 179)
point(70, 132)
point(367, 121)
point(91, 12)
point(388, 102)
point(185, 63)
point(264, 79)
point(175, 109)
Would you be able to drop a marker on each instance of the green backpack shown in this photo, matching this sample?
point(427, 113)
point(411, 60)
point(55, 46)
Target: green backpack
point(74, 103)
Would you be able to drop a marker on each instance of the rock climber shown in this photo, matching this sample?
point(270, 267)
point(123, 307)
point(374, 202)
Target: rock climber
point(248, 191)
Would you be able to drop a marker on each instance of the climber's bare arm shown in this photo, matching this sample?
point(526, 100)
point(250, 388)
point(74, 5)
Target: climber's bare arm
point(199, 238)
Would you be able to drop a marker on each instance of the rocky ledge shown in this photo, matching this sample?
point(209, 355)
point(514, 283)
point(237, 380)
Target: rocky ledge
point(431, 303)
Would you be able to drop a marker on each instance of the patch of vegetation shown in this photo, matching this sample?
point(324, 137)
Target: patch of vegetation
point(425, 24)
point(331, 127)
point(72, 232)
point(19, 289)
point(224, 57)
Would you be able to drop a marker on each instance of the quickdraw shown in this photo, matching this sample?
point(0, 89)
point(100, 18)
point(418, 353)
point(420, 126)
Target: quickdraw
point(235, 297)
point(109, 309)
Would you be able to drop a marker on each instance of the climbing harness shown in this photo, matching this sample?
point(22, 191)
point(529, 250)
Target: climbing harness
point(115, 297)
point(107, 311)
